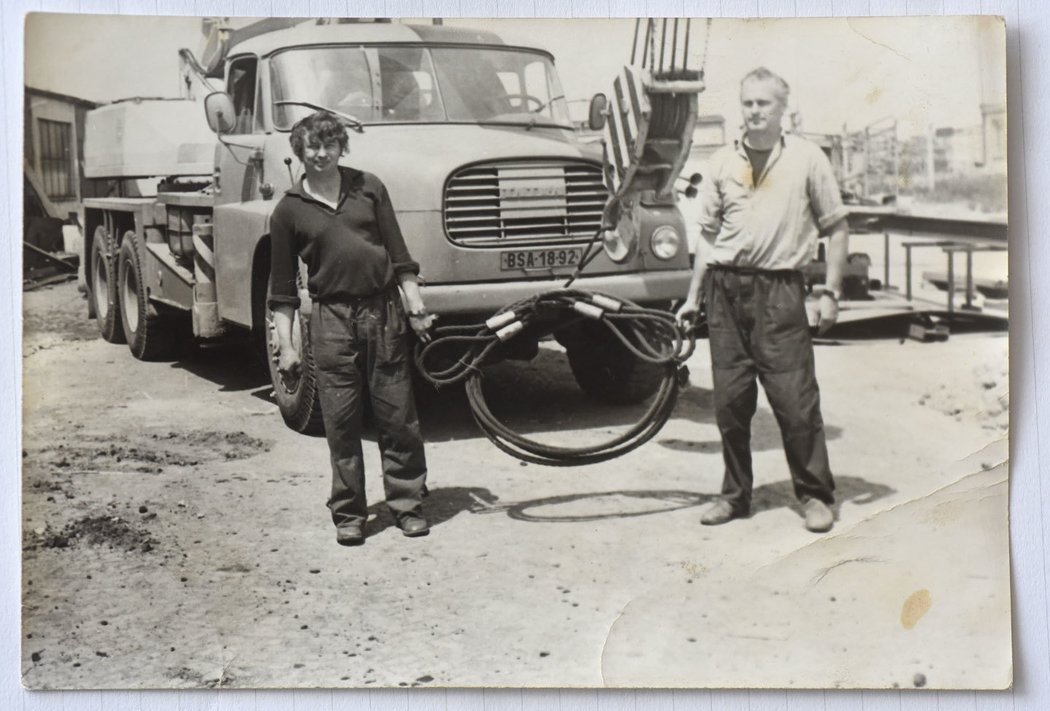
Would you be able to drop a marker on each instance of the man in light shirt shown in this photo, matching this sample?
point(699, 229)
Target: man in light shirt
point(766, 200)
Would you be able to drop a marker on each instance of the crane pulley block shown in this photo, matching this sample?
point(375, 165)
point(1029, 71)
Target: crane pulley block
point(648, 129)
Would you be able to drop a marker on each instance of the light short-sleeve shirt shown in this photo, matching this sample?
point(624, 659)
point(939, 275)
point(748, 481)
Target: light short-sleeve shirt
point(769, 221)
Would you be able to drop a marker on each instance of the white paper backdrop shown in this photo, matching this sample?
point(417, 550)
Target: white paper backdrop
point(1028, 48)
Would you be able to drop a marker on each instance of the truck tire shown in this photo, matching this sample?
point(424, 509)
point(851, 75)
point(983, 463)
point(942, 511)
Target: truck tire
point(150, 336)
point(103, 294)
point(299, 402)
point(607, 371)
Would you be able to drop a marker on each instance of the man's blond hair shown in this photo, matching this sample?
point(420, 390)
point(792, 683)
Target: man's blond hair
point(763, 74)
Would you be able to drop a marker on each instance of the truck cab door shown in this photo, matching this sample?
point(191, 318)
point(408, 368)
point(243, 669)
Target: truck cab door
point(242, 211)
point(239, 158)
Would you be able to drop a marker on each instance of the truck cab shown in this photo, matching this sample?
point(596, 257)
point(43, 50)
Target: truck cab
point(494, 192)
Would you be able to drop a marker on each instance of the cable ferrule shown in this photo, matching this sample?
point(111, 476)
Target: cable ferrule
point(607, 303)
point(589, 310)
point(498, 321)
point(508, 332)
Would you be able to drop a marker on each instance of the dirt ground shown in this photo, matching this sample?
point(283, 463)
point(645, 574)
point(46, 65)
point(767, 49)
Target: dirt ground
point(175, 533)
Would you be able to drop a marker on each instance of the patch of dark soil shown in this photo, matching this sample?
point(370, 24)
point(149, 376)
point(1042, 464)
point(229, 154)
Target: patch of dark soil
point(224, 445)
point(110, 531)
point(54, 486)
point(147, 453)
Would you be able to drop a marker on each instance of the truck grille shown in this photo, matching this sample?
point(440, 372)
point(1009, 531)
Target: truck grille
point(524, 203)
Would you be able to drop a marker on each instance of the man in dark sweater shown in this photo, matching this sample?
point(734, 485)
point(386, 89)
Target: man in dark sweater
point(342, 225)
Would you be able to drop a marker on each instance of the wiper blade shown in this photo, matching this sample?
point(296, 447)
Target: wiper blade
point(352, 121)
point(547, 103)
point(534, 114)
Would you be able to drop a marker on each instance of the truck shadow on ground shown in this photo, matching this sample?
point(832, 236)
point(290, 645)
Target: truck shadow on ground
point(542, 396)
point(444, 503)
point(234, 367)
point(531, 397)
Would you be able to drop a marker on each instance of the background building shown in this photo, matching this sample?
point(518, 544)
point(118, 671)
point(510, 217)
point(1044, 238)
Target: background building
point(53, 180)
point(54, 146)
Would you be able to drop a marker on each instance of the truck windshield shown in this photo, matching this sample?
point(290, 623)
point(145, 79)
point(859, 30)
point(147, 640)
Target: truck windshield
point(418, 84)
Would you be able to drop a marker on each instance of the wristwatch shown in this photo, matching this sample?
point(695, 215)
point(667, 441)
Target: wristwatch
point(836, 295)
point(422, 313)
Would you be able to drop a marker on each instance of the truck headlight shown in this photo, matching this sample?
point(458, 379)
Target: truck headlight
point(665, 242)
point(616, 247)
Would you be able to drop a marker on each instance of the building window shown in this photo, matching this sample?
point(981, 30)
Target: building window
point(56, 159)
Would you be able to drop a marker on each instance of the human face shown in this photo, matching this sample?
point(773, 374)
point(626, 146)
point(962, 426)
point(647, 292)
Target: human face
point(762, 107)
point(321, 159)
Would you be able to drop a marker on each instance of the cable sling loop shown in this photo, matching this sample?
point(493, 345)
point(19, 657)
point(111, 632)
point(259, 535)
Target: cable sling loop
point(650, 335)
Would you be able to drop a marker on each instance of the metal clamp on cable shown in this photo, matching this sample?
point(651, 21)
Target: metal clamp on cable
point(509, 331)
point(589, 310)
point(500, 320)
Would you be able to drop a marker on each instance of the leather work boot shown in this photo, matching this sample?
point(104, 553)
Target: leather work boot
point(413, 525)
point(720, 512)
point(349, 534)
point(818, 516)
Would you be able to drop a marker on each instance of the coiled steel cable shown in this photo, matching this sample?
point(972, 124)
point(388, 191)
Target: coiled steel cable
point(650, 335)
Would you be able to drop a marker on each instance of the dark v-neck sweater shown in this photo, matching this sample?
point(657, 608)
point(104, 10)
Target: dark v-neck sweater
point(758, 159)
point(356, 249)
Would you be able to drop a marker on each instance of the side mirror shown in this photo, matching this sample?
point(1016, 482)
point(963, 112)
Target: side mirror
point(218, 107)
point(596, 116)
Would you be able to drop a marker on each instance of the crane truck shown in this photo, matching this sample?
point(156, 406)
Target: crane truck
point(496, 195)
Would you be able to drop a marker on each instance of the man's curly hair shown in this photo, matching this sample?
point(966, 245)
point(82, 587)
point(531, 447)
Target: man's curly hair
point(320, 127)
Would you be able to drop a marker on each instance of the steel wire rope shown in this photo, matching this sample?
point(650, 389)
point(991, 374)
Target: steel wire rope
point(650, 335)
point(529, 450)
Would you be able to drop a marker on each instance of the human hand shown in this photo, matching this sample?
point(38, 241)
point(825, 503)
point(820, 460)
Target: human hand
point(686, 315)
point(827, 313)
point(289, 365)
point(421, 322)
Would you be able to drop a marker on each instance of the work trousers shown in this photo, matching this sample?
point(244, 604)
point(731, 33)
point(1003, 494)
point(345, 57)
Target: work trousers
point(758, 329)
point(356, 342)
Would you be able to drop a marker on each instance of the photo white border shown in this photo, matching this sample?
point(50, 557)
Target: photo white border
point(1028, 55)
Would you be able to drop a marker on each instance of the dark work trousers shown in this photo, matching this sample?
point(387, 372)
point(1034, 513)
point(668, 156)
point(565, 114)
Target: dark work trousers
point(366, 340)
point(758, 328)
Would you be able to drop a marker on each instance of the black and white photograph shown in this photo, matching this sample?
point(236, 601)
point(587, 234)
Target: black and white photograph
point(443, 352)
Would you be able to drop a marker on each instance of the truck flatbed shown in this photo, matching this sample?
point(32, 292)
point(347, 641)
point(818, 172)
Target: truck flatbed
point(194, 199)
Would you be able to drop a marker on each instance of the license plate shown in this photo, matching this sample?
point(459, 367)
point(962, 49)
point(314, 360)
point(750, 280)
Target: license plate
point(540, 259)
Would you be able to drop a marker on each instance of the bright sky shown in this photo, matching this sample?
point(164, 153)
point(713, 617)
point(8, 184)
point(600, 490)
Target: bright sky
point(921, 70)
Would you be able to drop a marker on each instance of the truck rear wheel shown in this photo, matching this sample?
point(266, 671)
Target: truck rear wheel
point(149, 335)
point(607, 371)
point(103, 294)
point(299, 401)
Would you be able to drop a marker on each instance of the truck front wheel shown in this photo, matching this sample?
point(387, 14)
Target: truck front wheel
point(103, 292)
point(606, 370)
point(297, 400)
point(149, 335)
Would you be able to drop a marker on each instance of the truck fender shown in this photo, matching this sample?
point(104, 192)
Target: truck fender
point(239, 229)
